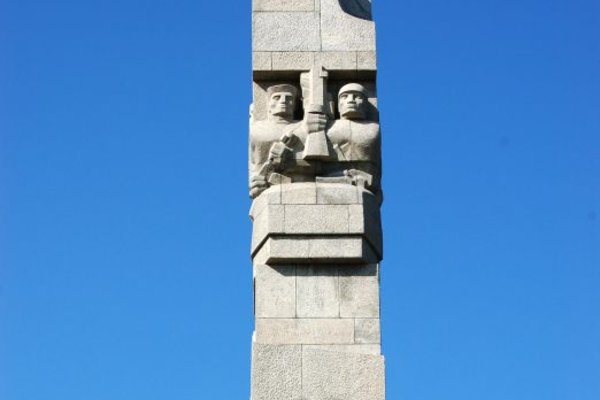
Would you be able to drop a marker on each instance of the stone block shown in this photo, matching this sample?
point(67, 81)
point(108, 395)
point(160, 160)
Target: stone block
point(373, 349)
point(317, 292)
point(338, 249)
point(306, 193)
point(359, 291)
point(366, 219)
point(366, 60)
point(304, 331)
point(283, 5)
point(336, 193)
point(336, 375)
point(261, 61)
point(343, 32)
point(276, 372)
point(274, 291)
point(367, 331)
point(285, 31)
point(269, 221)
point(279, 249)
point(339, 60)
point(316, 219)
point(292, 60)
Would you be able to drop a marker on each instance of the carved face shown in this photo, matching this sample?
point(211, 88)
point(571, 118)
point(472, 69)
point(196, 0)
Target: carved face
point(352, 105)
point(282, 104)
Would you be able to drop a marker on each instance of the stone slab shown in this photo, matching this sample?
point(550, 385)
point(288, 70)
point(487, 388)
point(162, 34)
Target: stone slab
point(359, 291)
point(304, 331)
point(316, 219)
point(345, 376)
point(292, 60)
point(269, 221)
point(274, 291)
point(337, 193)
point(316, 250)
point(276, 372)
point(367, 331)
point(344, 32)
point(366, 60)
point(286, 31)
point(261, 61)
point(317, 292)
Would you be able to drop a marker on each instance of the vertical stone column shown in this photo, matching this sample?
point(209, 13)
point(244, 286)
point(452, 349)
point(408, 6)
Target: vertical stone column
point(314, 176)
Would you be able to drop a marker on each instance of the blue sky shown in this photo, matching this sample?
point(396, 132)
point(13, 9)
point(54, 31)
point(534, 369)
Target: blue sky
point(124, 236)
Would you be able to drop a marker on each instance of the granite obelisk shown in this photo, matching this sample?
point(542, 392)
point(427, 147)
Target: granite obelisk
point(314, 177)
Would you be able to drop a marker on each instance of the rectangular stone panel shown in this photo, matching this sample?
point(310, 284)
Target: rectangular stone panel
point(286, 31)
point(317, 292)
point(292, 60)
point(359, 291)
point(345, 376)
point(336, 193)
point(261, 61)
point(329, 219)
point(276, 372)
point(304, 331)
point(366, 60)
point(299, 194)
point(343, 32)
point(367, 331)
point(274, 291)
point(339, 60)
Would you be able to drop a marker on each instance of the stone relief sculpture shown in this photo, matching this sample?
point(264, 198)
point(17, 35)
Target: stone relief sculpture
point(346, 150)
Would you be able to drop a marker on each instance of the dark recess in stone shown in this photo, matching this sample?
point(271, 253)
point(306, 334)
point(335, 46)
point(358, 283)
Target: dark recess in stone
point(357, 8)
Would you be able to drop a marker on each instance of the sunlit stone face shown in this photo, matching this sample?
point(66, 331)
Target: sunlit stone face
point(282, 104)
point(352, 105)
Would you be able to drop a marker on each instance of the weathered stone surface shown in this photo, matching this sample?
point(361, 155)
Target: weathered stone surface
point(359, 291)
point(337, 194)
point(304, 331)
point(316, 250)
point(302, 219)
point(276, 372)
point(317, 292)
point(275, 291)
point(336, 375)
point(261, 61)
point(373, 349)
point(286, 31)
point(283, 5)
point(339, 60)
point(366, 60)
point(343, 32)
point(269, 221)
point(366, 219)
point(305, 193)
point(367, 331)
point(292, 60)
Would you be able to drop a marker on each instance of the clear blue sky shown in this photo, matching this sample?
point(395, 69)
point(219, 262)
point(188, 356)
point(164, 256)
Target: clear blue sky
point(124, 236)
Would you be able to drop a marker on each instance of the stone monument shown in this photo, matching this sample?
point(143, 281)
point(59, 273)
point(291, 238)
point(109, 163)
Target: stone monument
point(314, 177)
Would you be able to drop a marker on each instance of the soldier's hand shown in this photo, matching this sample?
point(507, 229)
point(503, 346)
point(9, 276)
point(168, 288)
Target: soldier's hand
point(315, 122)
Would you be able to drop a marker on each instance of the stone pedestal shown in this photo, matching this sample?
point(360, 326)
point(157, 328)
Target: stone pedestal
point(315, 169)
